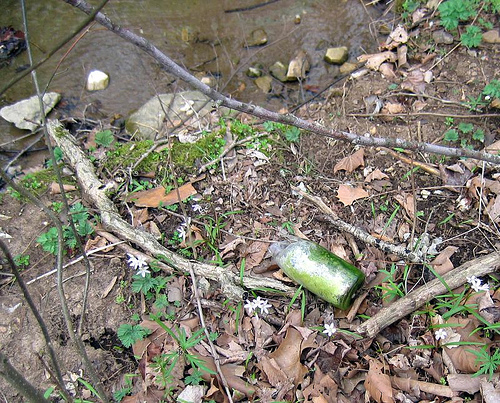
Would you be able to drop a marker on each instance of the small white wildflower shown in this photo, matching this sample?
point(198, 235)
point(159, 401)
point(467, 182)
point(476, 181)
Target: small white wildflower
point(136, 262)
point(477, 285)
point(330, 329)
point(197, 208)
point(264, 306)
point(487, 97)
point(250, 306)
point(440, 334)
point(143, 271)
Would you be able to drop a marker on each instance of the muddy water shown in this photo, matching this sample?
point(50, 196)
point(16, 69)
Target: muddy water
point(199, 34)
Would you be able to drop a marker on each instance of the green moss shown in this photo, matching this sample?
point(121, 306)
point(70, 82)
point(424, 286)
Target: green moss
point(126, 154)
point(38, 182)
point(206, 149)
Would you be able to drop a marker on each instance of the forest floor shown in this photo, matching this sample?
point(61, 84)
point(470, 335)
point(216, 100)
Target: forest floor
point(232, 212)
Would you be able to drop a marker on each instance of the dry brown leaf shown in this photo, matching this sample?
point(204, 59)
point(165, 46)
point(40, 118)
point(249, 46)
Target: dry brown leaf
point(442, 263)
point(378, 384)
point(287, 355)
point(153, 197)
point(414, 82)
point(351, 162)
point(255, 253)
point(347, 194)
point(375, 60)
point(399, 35)
point(375, 175)
point(391, 108)
point(407, 201)
point(493, 209)
point(55, 189)
point(387, 70)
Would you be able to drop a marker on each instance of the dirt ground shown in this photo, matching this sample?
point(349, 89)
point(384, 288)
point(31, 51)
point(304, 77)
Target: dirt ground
point(261, 191)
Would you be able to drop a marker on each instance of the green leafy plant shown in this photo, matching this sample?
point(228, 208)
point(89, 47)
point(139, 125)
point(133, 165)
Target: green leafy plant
point(492, 90)
point(49, 240)
point(292, 134)
point(129, 334)
point(451, 135)
point(126, 390)
point(454, 11)
point(22, 261)
point(488, 362)
point(472, 37)
point(104, 138)
point(393, 289)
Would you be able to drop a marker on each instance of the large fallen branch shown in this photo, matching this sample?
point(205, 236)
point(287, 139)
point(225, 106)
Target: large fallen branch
point(411, 302)
point(92, 188)
point(221, 100)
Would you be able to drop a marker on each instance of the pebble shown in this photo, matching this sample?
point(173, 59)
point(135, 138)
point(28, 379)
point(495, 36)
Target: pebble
point(442, 36)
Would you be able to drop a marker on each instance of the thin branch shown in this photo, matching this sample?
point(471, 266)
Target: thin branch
point(215, 355)
point(358, 233)
point(19, 382)
point(222, 100)
point(415, 299)
point(41, 323)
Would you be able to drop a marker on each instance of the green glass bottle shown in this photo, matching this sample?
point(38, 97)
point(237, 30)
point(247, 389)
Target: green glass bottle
point(319, 270)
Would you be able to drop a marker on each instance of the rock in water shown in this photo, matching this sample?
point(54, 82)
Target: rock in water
point(336, 55)
point(26, 114)
point(97, 80)
point(257, 38)
point(298, 66)
point(279, 70)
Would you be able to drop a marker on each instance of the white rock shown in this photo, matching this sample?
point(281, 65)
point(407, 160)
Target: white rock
point(26, 114)
point(97, 80)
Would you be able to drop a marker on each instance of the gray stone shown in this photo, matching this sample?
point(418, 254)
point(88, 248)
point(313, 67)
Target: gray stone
point(148, 120)
point(26, 114)
point(298, 66)
point(257, 38)
point(442, 36)
point(264, 83)
point(336, 55)
point(491, 36)
point(347, 68)
point(279, 70)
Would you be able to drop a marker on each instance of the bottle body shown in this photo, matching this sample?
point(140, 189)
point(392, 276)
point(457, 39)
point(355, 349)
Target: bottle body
point(319, 270)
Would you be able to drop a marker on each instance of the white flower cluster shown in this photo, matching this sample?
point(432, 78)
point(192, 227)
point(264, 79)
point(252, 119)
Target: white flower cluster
point(330, 329)
point(138, 263)
point(257, 304)
point(477, 285)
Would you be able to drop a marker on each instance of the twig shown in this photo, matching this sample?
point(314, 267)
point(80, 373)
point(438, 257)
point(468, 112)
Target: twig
point(240, 9)
point(358, 232)
point(227, 149)
point(41, 323)
point(111, 220)
point(221, 100)
point(24, 150)
point(405, 115)
point(54, 50)
point(215, 355)
point(74, 261)
point(412, 301)
point(426, 167)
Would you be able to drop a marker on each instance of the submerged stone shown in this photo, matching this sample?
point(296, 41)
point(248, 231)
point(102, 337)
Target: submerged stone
point(279, 70)
point(264, 83)
point(257, 37)
point(26, 114)
point(336, 55)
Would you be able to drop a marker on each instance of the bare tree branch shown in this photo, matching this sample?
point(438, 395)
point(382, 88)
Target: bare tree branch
point(221, 100)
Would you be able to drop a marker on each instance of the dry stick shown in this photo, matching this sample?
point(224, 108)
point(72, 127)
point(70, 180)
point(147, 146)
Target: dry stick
point(27, 296)
point(57, 171)
point(412, 301)
point(407, 115)
point(111, 220)
point(19, 382)
point(215, 355)
point(410, 385)
point(358, 232)
point(222, 100)
point(54, 50)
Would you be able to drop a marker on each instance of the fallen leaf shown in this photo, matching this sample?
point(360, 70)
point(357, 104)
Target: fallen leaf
point(407, 201)
point(347, 194)
point(442, 263)
point(402, 57)
point(255, 253)
point(377, 384)
point(377, 174)
point(375, 60)
point(153, 197)
point(387, 70)
point(351, 162)
point(391, 108)
point(55, 189)
point(399, 35)
point(493, 209)
point(414, 82)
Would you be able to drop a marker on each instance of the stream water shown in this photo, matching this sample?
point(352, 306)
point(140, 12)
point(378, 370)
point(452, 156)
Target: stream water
point(198, 34)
